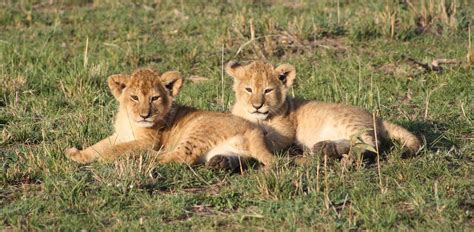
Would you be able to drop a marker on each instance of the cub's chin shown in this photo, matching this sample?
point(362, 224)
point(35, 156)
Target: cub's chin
point(145, 124)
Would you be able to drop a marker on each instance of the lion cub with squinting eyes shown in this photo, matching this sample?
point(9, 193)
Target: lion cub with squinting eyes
point(261, 96)
point(147, 114)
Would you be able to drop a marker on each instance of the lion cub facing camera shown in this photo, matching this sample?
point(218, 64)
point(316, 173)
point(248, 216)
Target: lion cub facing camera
point(261, 96)
point(147, 114)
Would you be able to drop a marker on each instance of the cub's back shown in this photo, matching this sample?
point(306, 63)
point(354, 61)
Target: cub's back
point(318, 121)
point(223, 123)
point(335, 112)
point(206, 127)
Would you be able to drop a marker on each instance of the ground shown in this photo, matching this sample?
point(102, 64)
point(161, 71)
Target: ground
point(385, 57)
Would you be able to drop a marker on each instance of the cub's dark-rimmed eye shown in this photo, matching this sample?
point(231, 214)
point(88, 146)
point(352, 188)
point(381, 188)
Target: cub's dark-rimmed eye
point(282, 76)
point(154, 98)
point(134, 98)
point(267, 91)
point(249, 90)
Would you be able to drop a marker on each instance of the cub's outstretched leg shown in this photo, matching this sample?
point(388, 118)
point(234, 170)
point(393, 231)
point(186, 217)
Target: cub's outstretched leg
point(106, 149)
point(93, 152)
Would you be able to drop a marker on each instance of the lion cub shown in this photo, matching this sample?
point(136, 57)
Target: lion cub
point(147, 114)
point(261, 97)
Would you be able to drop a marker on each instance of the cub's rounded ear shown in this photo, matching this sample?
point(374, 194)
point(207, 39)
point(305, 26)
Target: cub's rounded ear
point(286, 74)
point(232, 68)
point(117, 83)
point(172, 81)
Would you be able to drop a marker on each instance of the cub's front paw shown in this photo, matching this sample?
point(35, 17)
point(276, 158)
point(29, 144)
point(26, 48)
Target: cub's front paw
point(79, 157)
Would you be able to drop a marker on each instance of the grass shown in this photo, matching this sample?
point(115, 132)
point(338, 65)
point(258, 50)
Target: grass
point(55, 59)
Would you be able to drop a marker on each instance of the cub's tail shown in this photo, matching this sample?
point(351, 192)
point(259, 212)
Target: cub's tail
point(411, 143)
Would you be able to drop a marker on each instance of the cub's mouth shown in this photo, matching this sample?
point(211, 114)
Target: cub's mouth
point(259, 112)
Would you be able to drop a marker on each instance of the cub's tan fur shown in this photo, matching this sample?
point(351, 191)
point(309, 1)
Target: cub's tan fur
point(261, 97)
point(147, 114)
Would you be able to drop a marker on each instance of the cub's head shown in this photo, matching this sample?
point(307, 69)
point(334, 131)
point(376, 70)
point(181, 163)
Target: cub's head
point(145, 95)
point(260, 89)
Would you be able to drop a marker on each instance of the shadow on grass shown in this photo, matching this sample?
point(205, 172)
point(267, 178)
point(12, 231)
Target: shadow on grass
point(3, 123)
point(432, 133)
